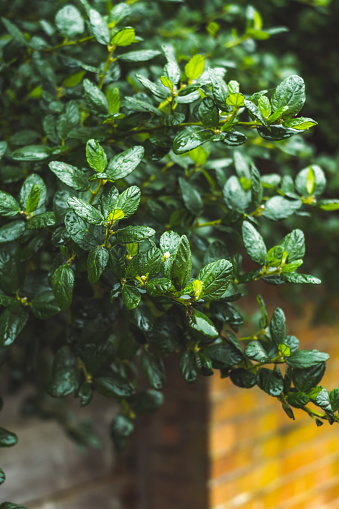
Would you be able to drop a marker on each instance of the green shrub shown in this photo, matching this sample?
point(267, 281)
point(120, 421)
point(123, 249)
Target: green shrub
point(132, 188)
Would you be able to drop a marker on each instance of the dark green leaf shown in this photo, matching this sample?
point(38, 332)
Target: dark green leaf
point(85, 393)
point(32, 153)
point(278, 326)
point(255, 111)
point(128, 201)
point(191, 197)
point(270, 381)
point(303, 359)
point(223, 355)
point(133, 234)
point(153, 370)
point(99, 27)
point(9, 273)
point(158, 286)
point(44, 305)
point(2, 476)
point(291, 93)
point(255, 351)
point(65, 375)
point(188, 367)
point(189, 138)
point(277, 132)
point(297, 399)
point(292, 277)
point(236, 198)
point(334, 399)
point(131, 296)
point(219, 89)
point(124, 163)
point(114, 386)
point(256, 189)
point(41, 221)
point(96, 100)
point(254, 243)
point(264, 314)
point(69, 175)
point(11, 324)
point(208, 113)
point(182, 265)
point(243, 378)
point(294, 245)
point(8, 205)
point(62, 283)
point(305, 379)
point(139, 56)
point(279, 208)
point(147, 402)
point(215, 278)
point(201, 323)
point(96, 263)
point(81, 232)
point(86, 211)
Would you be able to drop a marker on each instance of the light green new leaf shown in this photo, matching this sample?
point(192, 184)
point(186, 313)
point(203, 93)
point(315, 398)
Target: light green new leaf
point(96, 156)
point(124, 37)
point(195, 67)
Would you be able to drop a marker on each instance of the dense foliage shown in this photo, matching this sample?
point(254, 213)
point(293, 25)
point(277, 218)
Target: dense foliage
point(134, 210)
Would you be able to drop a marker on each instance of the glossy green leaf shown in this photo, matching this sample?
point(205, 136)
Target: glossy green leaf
point(69, 21)
point(96, 100)
point(128, 201)
point(305, 379)
point(41, 221)
point(124, 163)
point(96, 263)
point(291, 93)
point(189, 138)
point(303, 359)
point(278, 208)
point(201, 323)
point(301, 123)
point(11, 231)
point(62, 282)
point(236, 198)
point(219, 89)
point(131, 296)
point(81, 232)
point(139, 56)
point(69, 175)
point(208, 113)
point(270, 381)
point(120, 431)
point(215, 278)
point(278, 326)
point(254, 243)
point(294, 244)
point(182, 265)
point(85, 211)
point(292, 277)
point(255, 351)
point(158, 286)
point(8, 205)
point(12, 321)
point(134, 234)
point(99, 27)
point(223, 355)
point(114, 386)
point(32, 153)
